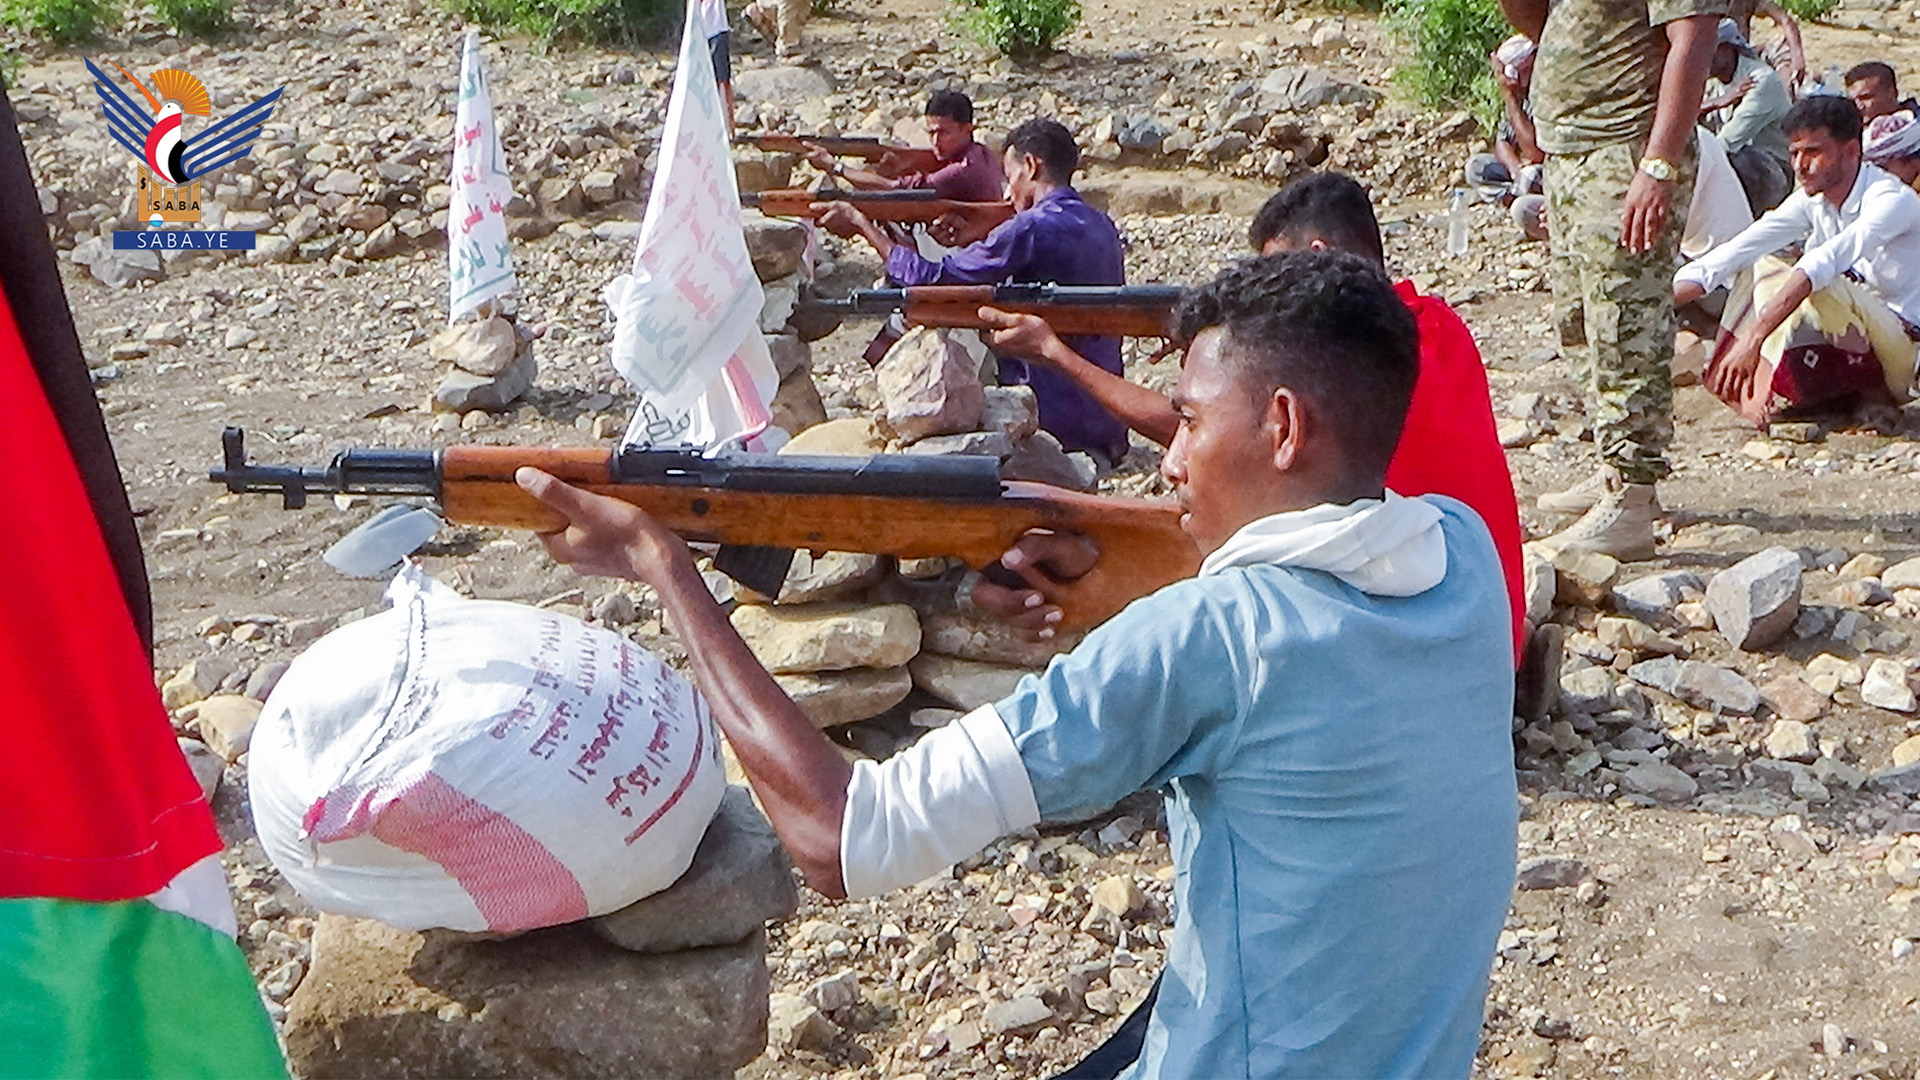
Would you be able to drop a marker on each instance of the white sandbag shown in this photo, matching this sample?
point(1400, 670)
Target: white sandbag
point(480, 765)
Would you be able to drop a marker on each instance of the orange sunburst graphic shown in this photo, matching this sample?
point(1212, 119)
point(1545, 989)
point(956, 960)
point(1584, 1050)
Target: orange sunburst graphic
point(173, 84)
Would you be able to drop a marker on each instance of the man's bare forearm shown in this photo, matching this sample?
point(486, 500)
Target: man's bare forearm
point(1148, 412)
point(1683, 82)
point(1781, 307)
point(800, 776)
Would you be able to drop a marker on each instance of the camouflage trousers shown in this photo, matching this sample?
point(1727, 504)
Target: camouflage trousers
point(1613, 308)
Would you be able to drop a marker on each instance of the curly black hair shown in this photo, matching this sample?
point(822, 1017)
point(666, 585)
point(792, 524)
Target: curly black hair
point(1327, 325)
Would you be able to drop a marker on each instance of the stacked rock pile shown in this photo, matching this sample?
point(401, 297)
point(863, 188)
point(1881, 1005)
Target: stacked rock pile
point(674, 985)
point(492, 364)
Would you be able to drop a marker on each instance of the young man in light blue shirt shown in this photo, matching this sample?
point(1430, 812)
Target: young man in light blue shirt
point(1325, 709)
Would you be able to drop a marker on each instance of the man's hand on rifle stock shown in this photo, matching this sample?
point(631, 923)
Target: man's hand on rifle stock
point(1020, 334)
point(604, 537)
point(955, 229)
point(844, 220)
point(1049, 563)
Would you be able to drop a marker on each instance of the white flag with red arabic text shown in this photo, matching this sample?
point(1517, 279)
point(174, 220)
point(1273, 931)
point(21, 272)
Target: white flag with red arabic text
point(687, 318)
point(479, 258)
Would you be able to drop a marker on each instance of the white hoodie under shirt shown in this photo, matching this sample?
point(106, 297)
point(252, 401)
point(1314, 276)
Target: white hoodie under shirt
point(963, 786)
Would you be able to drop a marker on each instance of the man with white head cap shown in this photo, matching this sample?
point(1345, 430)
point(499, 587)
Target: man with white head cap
point(1745, 102)
point(1893, 143)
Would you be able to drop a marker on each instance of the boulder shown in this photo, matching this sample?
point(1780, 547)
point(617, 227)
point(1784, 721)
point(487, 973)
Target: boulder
point(967, 684)
point(762, 170)
point(117, 269)
point(1306, 88)
point(986, 639)
point(832, 698)
point(1754, 601)
point(796, 638)
point(738, 880)
point(777, 246)
point(483, 347)
point(929, 385)
point(558, 1002)
point(1042, 459)
point(796, 404)
point(1141, 133)
point(968, 443)
point(463, 391)
point(789, 353)
point(848, 437)
point(1661, 781)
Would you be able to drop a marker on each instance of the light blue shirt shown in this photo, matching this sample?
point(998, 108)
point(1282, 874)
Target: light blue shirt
point(1338, 773)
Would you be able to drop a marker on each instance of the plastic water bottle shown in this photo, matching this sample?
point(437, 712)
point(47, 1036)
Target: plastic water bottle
point(1457, 224)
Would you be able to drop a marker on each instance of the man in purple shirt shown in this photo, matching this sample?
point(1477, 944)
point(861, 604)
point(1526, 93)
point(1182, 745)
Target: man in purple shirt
point(968, 172)
point(1053, 236)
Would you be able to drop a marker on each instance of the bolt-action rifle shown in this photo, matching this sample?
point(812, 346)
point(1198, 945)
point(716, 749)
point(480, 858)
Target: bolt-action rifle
point(911, 207)
point(762, 507)
point(882, 158)
point(1109, 310)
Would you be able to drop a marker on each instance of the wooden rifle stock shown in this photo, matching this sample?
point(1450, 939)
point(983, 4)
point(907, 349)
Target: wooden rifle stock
point(901, 207)
point(1118, 311)
point(765, 502)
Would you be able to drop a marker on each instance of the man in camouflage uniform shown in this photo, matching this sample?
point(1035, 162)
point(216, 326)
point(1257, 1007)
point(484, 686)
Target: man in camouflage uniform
point(1616, 92)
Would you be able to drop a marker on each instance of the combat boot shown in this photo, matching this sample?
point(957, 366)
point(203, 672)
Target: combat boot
point(1620, 525)
point(1581, 496)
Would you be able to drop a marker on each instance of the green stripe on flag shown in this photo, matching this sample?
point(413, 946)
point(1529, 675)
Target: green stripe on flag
point(126, 990)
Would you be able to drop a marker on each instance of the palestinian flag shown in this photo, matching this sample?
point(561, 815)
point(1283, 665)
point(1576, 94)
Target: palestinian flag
point(117, 953)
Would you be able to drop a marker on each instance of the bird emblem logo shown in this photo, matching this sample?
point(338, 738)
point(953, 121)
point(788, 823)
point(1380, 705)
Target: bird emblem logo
point(154, 135)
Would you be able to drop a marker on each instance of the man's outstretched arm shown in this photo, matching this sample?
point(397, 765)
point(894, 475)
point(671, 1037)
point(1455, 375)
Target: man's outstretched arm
point(800, 776)
point(1148, 412)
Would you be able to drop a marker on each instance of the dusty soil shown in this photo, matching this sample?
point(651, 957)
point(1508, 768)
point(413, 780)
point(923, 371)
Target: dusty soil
point(1746, 933)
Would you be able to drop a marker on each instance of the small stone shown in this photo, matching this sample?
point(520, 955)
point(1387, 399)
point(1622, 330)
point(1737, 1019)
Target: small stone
point(364, 218)
point(1021, 1015)
point(226, 722)
point(1791, 740)
point(831, 575)
point(1587, 690)
point(1843, 671)
point(1706, 686)
point(1833, 1041)
point(794, 1023)
point(835, 992)
point(1041, 459)
point(1661, 781)
point(832, 698)
point(963, 683)
point(1754, 601)
point(989, 444)
point(165, 333)
point(930, 385)
point(1550, 872)
point(1907, 752)
point(615, 609)
point(791, 356)
point(600, 187)
point(1012, 411)
point(1622, 633)
point(1886, 686)
point(206, 766)
point(1793, 699)
point(796, 638)
point(239, 337)
point(1864, 565)
point(1902, 575)
point(984, 638)
point(199, 678)
point(1539, 584)
point(1119, 894)
point(933, 717)
point(1652, 599)
point(1584, 577)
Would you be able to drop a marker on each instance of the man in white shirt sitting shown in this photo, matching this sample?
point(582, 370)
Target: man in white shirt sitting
point(1836, 328)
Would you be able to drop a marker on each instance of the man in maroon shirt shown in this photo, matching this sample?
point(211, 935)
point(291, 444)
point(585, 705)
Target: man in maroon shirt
point(968, 172)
